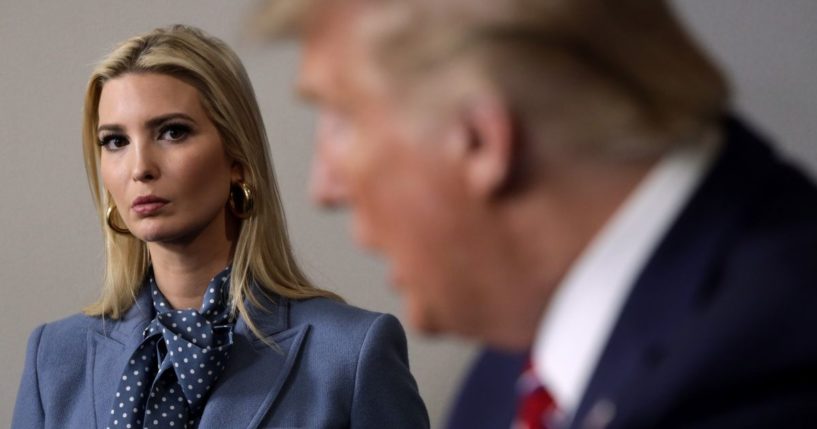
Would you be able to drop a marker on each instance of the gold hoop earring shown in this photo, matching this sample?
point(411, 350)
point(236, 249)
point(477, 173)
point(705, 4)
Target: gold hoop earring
point(242, 204)
point(113, 226)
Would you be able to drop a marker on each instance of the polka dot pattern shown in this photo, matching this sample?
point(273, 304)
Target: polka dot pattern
point(169, 377)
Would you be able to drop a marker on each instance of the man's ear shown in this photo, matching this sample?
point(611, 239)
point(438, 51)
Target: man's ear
point(490, 145)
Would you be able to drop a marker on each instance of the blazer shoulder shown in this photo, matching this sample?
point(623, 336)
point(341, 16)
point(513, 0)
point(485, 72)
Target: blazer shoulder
point(65, 337)
point(369, 362)
point(68, 330)
point(775, 233)
point(328, 314)
point(352, 332)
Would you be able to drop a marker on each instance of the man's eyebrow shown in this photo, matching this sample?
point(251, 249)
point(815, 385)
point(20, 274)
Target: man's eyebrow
point(306, 92)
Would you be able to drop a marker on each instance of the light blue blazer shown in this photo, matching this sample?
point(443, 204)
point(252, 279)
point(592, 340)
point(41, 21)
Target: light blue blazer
point(336, 366)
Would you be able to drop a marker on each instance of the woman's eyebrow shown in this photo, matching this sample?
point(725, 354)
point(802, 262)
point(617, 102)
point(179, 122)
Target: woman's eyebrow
point(110, 127)
point(155, 122)
point(150, 123)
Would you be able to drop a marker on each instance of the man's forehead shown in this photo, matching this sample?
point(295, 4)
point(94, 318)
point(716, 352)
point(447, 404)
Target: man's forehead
point(327, 52)
point(338, 56)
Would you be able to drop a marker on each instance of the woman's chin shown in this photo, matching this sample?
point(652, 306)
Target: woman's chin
point(151, 236)
point(158, 234)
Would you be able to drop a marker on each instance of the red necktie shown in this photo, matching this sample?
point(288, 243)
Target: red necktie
point(536, 406)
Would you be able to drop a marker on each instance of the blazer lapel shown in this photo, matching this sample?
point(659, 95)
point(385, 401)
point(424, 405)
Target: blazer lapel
point(257, 371)
point(675, 279)
point(109, 348)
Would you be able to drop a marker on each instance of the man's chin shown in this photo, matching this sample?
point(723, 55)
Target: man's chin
point(421, 320)
point(428, 324)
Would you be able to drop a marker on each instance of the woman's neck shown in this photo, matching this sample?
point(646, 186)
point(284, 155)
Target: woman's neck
point(183, 271)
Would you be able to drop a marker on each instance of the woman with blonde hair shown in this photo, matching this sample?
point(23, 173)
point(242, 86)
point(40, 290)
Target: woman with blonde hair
point(205, 320)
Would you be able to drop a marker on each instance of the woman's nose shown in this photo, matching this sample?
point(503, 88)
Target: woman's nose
point(144, 165)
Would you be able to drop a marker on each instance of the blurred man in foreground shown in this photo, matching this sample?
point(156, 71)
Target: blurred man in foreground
point(562, 180)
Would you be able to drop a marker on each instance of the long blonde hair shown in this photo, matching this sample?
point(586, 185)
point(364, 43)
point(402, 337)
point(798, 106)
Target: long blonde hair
point(263, 253)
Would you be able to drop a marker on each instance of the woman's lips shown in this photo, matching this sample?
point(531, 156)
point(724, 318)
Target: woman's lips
point(148, 205)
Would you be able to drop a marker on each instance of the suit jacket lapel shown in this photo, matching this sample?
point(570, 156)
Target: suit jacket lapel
point(257, 371)
point(253, 378)
point(675, 278)
point(109, 348)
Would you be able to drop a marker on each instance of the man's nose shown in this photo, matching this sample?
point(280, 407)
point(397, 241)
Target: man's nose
point(326, 185)
point(327, 182)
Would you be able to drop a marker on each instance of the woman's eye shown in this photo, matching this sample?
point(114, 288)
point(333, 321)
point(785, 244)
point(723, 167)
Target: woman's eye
point(174, 132)
point(112, 142)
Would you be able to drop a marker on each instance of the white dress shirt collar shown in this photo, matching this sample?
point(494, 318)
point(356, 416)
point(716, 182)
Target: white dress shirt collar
point(586, 305)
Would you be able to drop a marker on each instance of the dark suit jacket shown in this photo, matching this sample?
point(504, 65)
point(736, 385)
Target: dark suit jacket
point(719, 329)
point(337, 367)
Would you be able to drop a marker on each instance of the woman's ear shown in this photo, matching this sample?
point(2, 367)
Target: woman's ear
point(236, 172)
point(490, 145)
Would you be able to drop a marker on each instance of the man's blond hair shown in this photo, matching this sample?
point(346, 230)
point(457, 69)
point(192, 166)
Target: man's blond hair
point(597, 68)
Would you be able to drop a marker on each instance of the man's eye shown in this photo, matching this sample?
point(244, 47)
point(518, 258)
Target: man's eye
point(112, 142)
point(174, 132)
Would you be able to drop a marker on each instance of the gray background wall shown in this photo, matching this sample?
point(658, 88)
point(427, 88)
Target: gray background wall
point(50, 254)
